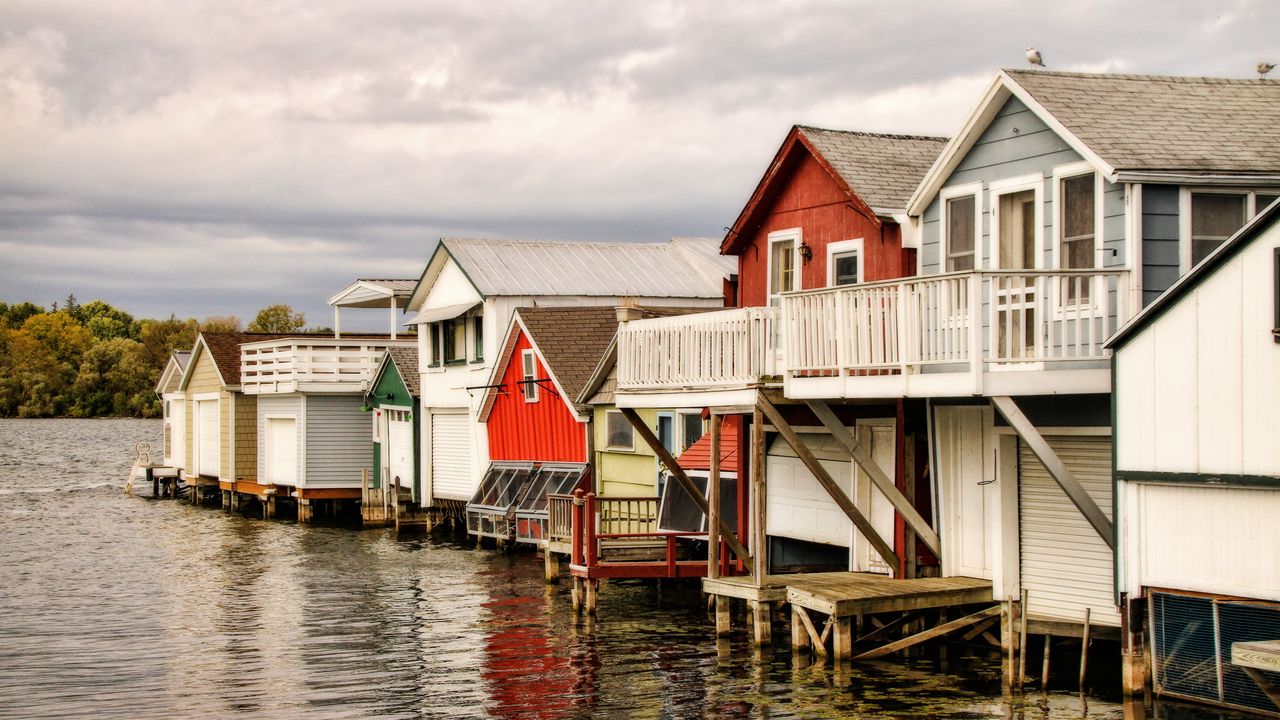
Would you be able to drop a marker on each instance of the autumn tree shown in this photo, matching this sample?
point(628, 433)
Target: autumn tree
point(221, 324)
point(278, 319)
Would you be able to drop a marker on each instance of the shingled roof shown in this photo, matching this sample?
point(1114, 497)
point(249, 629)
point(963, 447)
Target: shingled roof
point(1163, 123)
point(882, 169)
point(571, 340)
point(406, 362)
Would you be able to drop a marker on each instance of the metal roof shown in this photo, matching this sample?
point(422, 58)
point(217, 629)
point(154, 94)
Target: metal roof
point(679, 269)
point(366, 293)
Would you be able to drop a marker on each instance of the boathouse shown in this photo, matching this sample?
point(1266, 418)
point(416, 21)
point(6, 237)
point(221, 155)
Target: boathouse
point(173, 406)
point(464, 302)
point(1197, 470)
point(829, 212)
point(393, 401)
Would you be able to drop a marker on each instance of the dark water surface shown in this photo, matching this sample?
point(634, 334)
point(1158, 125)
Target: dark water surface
point(118, 606)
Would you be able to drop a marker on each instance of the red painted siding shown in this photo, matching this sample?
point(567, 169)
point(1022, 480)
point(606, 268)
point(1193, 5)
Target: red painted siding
point(808, 197)
point(542, 431)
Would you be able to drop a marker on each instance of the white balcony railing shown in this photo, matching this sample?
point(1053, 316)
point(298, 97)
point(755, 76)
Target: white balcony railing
point(1013, 317)
point(311, 364)
point(723, 349)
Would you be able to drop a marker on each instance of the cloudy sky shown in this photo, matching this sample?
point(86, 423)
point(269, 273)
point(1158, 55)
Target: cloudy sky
point(210, 158)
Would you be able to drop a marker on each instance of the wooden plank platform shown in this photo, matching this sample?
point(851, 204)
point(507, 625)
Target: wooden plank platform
point(1038, 625)
point(773, 589)
point(846, 594)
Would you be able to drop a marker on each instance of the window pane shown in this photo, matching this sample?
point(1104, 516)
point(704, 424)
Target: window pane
point(1077, 208)
point(960, 232)
point(458, 344)
point(478, 323)
point(666, 434)
point(621, 434)
point(1264, 201)
point(960, 263)
point(1214, 218)
point(784, 261)
point(691, 430)
point(846, 268)
point(528, 371)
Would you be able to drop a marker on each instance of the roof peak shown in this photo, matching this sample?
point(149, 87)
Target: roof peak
point(1139, 76)
point(867, 134)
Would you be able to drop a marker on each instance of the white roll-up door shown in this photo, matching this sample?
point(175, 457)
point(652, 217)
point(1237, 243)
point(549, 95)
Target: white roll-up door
point(178, 424)
point(207, 421)
point(400, 447)
point(282, 451)
point(1066, 566)
point(451, 456)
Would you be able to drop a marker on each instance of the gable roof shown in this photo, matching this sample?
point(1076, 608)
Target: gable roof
point(405, 361)
point(176, 365)
point(1260, 223)
point(568, 340)
point(595, 269)
point(374, 293)
point(877, 171)
point(1136, 127)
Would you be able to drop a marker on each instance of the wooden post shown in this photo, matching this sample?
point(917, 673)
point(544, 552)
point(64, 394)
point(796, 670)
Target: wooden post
point(909, 535)
point(1022, 640)
point(723, 624)
point(576, 595)
point(155, 483)
point(713, 502)
point(306, 511)
point(679, 474)
point(842, 638)
point(1084, 649)
point(800, 640)
point(1008, 638)
point(759, 500)
point(1044, 665)
point(593, 593)
point(761, 622)
point(575, 531)
point(550, 567)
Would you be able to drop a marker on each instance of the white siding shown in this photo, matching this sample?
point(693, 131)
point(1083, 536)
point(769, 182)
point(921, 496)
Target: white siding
point(207, 437)
point(450, 456)
point(968, 505)
point(279, 406)
point(798, 507)
point(281, 441)
point(1066, 566)
point(399, 449)
point(338, 447)
point(1198, 391)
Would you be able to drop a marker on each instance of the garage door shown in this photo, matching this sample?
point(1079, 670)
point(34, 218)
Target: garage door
point(178, 423)
point(451, 456)
point(207, 436)
point(400, 447)
point(1066, 566)
point(282, 451)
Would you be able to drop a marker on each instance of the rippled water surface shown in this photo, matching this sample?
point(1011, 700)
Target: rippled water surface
point(118, 606)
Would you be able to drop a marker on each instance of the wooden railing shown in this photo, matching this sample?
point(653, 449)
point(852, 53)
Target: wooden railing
point(1000, 316)
point(560, 514)
point(319, 364)
point(705, 350)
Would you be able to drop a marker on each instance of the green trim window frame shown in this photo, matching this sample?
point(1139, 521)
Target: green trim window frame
point(437, 347)
point(455, 341)
point(619, 434)
point(477, 338)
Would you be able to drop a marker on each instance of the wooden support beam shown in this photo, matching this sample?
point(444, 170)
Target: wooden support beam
point(713, 502)
point(689, 487)
point(820, 473)
point(878, 476)
point(818, 640)
point(979, 629)
point(930, 634)
point(802, 638)
point(1080, 497)
point(758, 526)
point(886, 628)
point(1272, 693)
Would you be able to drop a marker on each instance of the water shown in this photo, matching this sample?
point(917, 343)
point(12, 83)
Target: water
point(121, 607)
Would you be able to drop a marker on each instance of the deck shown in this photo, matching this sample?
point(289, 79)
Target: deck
point(847, 594)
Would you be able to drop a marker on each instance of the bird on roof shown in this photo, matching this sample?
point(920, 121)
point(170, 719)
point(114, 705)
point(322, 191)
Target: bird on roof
point(1263, 68)
point(1033, 57)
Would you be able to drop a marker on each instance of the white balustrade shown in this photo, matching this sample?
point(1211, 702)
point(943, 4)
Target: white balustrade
point(715, 349)
point(293, 364)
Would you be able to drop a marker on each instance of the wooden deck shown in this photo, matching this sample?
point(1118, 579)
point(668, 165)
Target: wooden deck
point(847, 594)
point(773, 589)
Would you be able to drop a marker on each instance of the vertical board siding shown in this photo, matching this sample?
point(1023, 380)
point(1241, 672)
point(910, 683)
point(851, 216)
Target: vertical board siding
point(290, 405)
point(1160, 233)
point(246, 433)
point(337, 441)
point(966, 507)
point(811, 200)
point(544, 430)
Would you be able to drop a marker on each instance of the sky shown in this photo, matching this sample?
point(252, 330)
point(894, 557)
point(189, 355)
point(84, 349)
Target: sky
point(211, 158)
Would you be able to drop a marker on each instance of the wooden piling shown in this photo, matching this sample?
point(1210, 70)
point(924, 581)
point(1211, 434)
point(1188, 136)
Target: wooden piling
point(593, 595)
point(1044, 665)
point(761, 622)
point(1022, 641)
point(550, 567)
point(723, 624)
point(1084, 649)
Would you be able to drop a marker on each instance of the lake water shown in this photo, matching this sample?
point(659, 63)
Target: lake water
point(123, 607)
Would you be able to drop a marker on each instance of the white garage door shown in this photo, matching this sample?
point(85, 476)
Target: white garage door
point(400, 447)
point(207, 437)
point(1066, 566)
point(282, 451)
point(451, 456)
point(177, 444)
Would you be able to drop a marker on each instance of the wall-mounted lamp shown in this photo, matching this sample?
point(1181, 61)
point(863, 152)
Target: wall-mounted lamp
point(806, 252)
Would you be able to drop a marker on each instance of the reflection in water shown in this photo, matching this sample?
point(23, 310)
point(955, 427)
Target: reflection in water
point(116, 606)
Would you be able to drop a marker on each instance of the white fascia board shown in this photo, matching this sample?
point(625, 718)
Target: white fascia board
point(1049, 119)
point(959, 145)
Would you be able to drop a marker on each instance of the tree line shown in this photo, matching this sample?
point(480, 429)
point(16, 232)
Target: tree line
point(96, 360)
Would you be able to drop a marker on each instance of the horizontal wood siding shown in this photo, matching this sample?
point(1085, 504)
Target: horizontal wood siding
point(226, 436)
point(337, 444)
point(811, 200)
point(1160, 233)
point(246, 432)
point(278, 405)
point(544, 430)
point(623, 473)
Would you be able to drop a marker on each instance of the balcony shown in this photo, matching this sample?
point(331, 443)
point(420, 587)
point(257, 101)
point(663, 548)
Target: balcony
point(311, 365)
point(991, 332)
point(716, 355)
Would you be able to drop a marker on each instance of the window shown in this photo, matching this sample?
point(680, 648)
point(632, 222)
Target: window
point(1214, 218)
point(844, 262)
point(961, 228)
point(437, 345)
point(455, 340)
point(782, 264)
point(477, 323)
point(620, 434)
point(529, 375)
point(1077, 230)
point(690, 429)
point(667, 432)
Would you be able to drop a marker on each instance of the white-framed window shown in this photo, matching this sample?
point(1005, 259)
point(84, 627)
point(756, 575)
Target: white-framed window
point(1211, 215)
point(529, 376)
point(784, 263)
point(961, 227)
point(1017, 222)
point(1077, 224)
point(619, 434)
point(691, 428)
point(844, 263)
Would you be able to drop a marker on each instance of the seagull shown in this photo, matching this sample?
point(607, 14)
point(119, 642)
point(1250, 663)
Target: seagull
point(1263, 68)
point(1033, 57)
